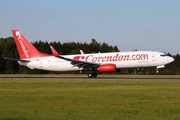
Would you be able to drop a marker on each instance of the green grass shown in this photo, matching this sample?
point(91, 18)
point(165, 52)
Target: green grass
point(111, 75)
point(89, 100)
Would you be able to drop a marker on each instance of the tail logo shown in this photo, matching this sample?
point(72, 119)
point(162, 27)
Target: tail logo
point(20, 39)
point(18, 34)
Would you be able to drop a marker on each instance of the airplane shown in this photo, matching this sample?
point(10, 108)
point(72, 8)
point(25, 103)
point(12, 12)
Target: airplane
point(93, 63)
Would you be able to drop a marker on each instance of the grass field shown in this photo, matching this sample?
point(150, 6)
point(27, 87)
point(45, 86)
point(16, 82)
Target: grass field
point(89, 100)
point(85, 76)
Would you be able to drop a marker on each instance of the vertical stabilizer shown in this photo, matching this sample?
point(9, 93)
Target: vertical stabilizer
point(25, 48)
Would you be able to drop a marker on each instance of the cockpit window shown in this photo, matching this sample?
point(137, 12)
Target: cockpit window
point(163, 55)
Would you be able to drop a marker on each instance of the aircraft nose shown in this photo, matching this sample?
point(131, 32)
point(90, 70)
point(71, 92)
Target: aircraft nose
point(170, 59)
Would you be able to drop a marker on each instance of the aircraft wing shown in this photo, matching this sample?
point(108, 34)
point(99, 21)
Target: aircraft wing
point(78, 63)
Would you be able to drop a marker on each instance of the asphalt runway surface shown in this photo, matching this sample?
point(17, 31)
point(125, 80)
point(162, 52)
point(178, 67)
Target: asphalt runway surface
point(70, 78)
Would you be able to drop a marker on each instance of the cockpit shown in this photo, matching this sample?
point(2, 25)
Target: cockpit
point(163, 55)
point(167, 58)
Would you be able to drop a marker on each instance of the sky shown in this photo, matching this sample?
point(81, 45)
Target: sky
point(128, 24)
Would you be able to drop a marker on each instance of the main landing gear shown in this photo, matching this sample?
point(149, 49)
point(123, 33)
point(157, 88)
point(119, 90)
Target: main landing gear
point(92, 75)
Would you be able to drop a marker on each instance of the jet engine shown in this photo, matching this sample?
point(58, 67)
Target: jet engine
point(107, 68)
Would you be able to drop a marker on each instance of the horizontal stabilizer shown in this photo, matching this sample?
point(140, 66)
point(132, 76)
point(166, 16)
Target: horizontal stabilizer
point(16, 59)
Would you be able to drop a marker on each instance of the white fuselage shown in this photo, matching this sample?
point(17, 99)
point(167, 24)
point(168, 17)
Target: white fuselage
point(120, 59)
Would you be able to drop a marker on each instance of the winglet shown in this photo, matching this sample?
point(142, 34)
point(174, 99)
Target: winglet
point(54, 52)
point(81, 51)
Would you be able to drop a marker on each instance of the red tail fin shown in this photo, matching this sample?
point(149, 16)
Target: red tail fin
point(25, 48)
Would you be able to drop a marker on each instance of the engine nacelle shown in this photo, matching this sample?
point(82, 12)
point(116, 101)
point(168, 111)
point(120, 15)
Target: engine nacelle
point(107, 68)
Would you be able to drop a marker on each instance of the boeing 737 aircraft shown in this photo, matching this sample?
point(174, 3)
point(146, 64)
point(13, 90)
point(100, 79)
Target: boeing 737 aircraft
point(93, 63)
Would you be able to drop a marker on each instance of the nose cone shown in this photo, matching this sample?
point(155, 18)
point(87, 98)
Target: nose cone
point(170, 59)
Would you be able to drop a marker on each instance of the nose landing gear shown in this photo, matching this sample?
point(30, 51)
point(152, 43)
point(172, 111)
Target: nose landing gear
point(157, 71)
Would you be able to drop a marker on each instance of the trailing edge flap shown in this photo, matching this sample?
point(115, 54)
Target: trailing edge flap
point(16, 59)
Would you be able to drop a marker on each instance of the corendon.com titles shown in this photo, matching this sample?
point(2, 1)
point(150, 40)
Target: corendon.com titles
point(113, 58)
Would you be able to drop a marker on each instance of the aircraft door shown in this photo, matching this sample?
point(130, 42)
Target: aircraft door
point(41, 64)
point(153, 57)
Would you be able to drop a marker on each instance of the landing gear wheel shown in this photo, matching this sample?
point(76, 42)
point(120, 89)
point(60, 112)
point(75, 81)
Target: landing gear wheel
point(92, 75)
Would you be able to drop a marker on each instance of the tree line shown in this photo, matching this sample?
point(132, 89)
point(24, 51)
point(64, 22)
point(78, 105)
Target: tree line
point(8, 49)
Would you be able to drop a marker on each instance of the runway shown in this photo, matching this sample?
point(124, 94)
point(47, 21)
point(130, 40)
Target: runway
point(75, 79)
